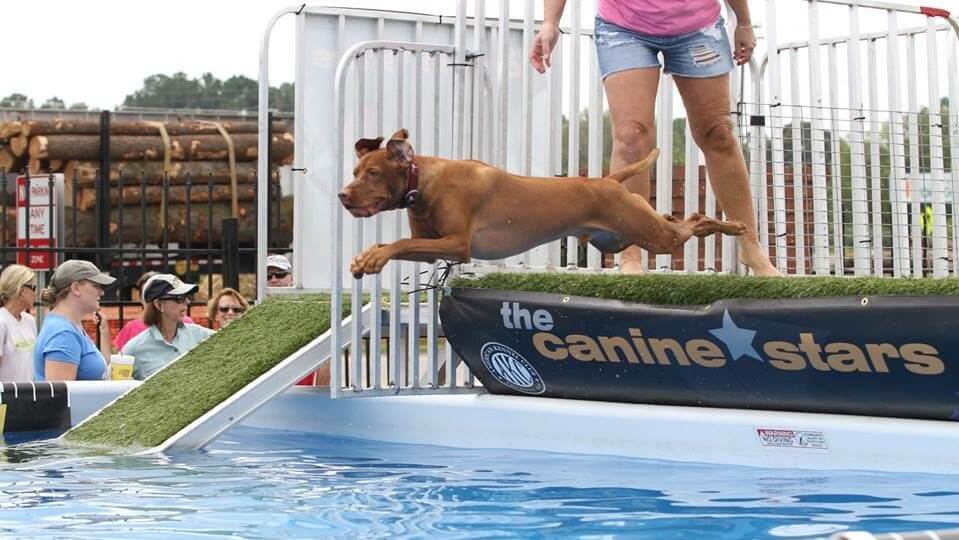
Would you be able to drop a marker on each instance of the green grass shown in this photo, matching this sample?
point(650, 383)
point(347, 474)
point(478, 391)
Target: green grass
point(210, 373)
point(680, 289)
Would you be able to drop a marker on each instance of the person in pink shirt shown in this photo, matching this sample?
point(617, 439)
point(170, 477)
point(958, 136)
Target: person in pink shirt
point(691, 37)
point(135, 326)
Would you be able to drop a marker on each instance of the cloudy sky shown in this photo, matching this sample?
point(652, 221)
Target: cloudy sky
point(98, 51)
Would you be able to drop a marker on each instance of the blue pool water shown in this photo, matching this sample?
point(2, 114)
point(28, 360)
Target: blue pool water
point(264, 483)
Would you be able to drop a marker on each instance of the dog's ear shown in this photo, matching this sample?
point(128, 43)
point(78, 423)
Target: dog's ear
point(401, 134)
point(400, 150)
point(365, 146)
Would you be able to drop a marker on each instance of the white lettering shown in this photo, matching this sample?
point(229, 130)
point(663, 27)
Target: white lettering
point(516, 317)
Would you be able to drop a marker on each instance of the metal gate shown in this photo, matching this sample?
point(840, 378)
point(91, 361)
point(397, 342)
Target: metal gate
point(864, 136)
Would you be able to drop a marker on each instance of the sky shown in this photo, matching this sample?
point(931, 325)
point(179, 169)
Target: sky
point(97, 52)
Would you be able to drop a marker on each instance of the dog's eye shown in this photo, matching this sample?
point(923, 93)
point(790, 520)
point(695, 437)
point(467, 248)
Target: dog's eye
point(373, 172)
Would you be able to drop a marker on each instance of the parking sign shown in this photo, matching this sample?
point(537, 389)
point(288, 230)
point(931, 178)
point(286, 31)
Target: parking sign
point(37, 227)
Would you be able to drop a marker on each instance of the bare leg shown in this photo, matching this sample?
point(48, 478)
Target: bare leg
point(632, 103)
point(707, 105)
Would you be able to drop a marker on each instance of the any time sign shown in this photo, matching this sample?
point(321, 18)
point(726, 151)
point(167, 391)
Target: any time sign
point(36, 226)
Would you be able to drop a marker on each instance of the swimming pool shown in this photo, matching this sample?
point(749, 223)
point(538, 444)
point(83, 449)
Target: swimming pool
point(266, 483)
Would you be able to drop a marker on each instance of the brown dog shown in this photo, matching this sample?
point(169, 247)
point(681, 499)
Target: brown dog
point(463, 209)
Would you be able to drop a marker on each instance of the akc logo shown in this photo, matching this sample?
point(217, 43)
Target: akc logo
point(510, 368)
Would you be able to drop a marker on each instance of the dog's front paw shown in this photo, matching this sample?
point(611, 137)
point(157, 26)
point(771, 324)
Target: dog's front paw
point(370, 261)
point(375, 260)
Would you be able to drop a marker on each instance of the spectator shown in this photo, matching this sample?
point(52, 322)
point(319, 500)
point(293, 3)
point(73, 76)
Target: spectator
point(18, 328)
point(64, 352)
point(279, 271)
point(133, 328)
point(167, 337)
point(226, 306)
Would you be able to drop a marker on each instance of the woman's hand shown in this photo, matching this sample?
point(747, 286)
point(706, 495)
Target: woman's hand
point(744, 42)
point(542, 48)
point(102, 322)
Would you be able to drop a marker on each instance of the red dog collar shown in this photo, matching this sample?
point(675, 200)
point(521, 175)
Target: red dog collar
point(412, 194)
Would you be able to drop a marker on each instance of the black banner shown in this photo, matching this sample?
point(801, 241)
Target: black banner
point(880, 356)
point(38, 406)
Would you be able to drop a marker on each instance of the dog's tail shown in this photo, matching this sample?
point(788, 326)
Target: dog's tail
point(631, 170)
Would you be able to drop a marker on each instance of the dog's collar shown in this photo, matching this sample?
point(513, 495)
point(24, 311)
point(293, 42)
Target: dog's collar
point(412, 194)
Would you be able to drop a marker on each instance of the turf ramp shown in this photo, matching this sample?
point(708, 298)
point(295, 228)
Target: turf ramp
point(192, 400)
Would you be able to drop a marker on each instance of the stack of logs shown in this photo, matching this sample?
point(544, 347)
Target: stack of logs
point(153, 159)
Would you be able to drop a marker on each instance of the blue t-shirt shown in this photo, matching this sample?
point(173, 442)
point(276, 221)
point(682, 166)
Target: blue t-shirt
point(63, 341)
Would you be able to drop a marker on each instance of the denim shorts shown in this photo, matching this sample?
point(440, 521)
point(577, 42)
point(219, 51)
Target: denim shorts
point(700, 54)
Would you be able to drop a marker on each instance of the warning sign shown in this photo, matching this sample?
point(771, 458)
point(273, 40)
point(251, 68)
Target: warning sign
point(788, 438)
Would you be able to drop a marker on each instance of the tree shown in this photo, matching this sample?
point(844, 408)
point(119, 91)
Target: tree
point(79, 106)
point(178, 91)
point(281, 98)
point(17, 100)
point(54, 103)
point(925, 144)
point(239, 92)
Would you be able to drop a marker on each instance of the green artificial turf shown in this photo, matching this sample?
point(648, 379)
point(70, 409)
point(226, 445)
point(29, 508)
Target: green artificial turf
point(210, 373)
point(700, 289)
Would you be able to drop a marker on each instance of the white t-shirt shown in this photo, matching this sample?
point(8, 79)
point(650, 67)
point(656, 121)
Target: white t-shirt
point(17, 339)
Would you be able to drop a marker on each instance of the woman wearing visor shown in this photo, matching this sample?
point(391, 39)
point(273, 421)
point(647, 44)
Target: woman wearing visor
point(167, 336)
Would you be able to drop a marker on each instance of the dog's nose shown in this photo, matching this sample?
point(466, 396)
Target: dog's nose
point(344, 196)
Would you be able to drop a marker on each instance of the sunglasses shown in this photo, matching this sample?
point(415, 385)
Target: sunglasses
point(31, 287)
point(234, 309)
point(276, 275)
point(177, 299)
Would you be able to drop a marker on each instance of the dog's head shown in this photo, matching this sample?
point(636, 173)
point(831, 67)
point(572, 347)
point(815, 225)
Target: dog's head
point(380, 178)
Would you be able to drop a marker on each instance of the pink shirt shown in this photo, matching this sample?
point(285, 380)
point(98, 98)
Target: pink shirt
point(132, 329)
point(661, 18)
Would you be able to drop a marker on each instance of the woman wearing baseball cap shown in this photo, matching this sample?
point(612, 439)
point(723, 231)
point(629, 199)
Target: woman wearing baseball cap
point(134, 327)
point(167, 336)
point(63, 351)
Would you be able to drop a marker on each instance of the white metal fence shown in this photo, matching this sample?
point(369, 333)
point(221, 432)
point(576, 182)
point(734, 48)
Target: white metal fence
point(874, 162)
point(867, 188)
point(376, 370)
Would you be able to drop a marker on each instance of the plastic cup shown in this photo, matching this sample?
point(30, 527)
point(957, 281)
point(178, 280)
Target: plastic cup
point(121, 367)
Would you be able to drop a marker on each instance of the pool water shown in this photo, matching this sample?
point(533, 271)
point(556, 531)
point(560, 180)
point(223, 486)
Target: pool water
point(265, 483)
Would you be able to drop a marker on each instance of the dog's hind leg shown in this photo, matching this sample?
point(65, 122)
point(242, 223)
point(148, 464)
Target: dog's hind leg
point(634, 219)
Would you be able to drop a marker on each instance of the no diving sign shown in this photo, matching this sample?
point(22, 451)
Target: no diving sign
point(39, 220)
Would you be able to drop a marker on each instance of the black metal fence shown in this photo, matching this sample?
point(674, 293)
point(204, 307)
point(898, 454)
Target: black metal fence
point(154, 231)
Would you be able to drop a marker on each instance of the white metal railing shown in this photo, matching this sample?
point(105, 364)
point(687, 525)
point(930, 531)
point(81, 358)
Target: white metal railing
point(372, 372)
point(882, 226)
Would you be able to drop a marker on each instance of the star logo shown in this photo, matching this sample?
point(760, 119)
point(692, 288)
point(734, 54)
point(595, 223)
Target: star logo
point(739, 341)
